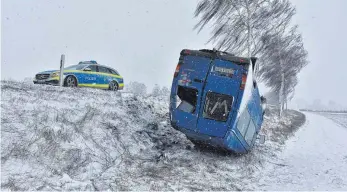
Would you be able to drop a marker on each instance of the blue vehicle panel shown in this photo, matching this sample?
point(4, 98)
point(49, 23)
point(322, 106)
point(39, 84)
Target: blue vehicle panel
point(206, 94)
point(188, 78)
point(223, 85)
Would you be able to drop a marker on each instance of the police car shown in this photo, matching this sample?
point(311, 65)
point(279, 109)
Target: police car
point(84, 74)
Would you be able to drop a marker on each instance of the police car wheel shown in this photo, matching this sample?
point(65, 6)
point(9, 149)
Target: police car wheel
point(70, 81)
point(113, 86)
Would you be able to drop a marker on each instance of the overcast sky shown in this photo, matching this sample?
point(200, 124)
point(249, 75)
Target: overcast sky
point(142, 39)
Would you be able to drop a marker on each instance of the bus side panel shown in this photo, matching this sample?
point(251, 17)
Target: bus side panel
point(255, 108)
point(255, 111)
point(233, 142)
point(258, 108)
point(240, 138)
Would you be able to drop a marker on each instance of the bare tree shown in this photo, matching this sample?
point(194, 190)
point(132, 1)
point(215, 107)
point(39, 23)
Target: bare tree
point(165, 91)
point(137, 88)
point(238, 25)
point(258, 28)
point(284, 55)
point(156, 90)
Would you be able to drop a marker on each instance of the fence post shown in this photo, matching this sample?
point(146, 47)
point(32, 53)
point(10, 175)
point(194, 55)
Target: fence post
point(61, 78)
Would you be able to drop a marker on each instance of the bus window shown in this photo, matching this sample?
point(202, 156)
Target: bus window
point(250, 133)
point(187, 97)
point(217, 106)
point(242, 123)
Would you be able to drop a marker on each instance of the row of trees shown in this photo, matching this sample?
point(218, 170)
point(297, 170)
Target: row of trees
point(140, 89)
point(258, 28)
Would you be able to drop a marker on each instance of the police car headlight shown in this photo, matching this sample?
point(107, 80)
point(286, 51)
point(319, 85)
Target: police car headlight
point(56, 74)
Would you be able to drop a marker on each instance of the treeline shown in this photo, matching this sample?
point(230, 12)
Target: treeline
point(140, 89)
point(258, 28)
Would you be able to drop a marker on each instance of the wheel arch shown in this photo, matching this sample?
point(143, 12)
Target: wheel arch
point(73, 75)
point(115, 81)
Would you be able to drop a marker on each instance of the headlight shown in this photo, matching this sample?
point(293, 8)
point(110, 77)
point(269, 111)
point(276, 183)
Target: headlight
point(56, 74)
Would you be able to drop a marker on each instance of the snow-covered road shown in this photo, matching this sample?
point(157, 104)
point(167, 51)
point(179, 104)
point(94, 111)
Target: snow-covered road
point(314, 159)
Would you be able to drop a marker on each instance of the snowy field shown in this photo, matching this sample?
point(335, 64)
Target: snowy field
point(55, 138)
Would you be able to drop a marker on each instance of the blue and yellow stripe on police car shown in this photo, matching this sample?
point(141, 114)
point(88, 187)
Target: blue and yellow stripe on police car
point(100, 86)
point(94, 85)
point(91, 72)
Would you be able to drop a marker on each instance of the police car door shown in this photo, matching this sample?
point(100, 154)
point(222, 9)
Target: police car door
point(89, 77)
point(219, 96)
point(103, 77)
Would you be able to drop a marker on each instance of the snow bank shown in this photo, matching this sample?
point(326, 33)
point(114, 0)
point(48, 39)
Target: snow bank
point(279, 130)
point(57, 138)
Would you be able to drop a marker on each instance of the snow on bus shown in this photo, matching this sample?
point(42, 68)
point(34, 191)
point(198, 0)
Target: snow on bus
point(215, 100)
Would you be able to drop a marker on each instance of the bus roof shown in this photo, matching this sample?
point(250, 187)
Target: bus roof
point(220, 55)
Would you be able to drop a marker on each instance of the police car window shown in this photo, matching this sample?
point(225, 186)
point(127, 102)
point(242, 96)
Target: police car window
point(103, 70)
point(92, 67)
point(217, 106)
point(75, 67)
point(113, 72)
point(109, 71)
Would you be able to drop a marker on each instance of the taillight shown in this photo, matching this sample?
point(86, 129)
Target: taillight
point(243, 83)
point(177, 70)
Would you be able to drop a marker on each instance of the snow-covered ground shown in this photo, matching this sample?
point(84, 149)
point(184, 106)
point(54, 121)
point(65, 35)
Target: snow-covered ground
point(315, 159)
point(339, 118)
point(55, 138)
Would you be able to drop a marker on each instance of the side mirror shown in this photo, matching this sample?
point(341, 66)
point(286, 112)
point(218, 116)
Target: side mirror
point(263, 99)
point(261, 139)
point(263, 103)
point(87, 69)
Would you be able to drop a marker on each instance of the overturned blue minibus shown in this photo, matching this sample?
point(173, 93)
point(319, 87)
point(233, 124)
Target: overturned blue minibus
point(215, 100)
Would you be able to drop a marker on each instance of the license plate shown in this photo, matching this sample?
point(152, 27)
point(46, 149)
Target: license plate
point(40, 81)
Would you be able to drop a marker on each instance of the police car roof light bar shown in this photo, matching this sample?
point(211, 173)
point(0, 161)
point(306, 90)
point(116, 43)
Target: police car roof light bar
point(88, 62)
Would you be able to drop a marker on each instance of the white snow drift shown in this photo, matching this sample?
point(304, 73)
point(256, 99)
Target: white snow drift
point(57, 138)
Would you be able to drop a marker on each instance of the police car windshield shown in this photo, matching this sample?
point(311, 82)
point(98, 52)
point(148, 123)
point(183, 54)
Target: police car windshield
point(75, 67)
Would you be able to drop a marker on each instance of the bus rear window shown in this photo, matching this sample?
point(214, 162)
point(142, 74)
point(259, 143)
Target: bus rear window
point(187, 97)
point(217, 106)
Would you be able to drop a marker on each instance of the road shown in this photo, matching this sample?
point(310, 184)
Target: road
point(314, 159)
